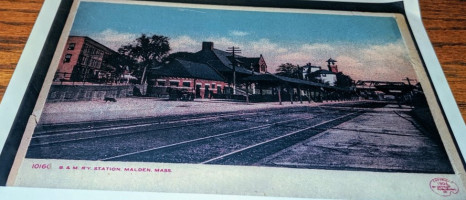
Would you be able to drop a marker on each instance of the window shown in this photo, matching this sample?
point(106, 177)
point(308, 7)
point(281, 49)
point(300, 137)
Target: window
point(97, 52)
point(86, 49)
point(186, 84)
point(71, 46)
point(174, 83)
point(94, 63)
point(67, 58)
point(262, 68)
point(160, 83)
point(84, 60)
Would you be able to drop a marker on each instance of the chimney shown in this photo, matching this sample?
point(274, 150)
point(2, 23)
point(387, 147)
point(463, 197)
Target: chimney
point(207, 46)
point(331, 65)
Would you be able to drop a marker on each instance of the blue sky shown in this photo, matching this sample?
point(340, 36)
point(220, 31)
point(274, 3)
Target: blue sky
point(201, 23)
point(281, 37)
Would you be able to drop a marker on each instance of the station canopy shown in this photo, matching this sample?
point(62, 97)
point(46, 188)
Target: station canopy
point(273, 79)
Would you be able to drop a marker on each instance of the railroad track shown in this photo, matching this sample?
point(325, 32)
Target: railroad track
point(263, 149)
point(51, 129)
point(109, 131)
point(235, 142)
point(72, 135)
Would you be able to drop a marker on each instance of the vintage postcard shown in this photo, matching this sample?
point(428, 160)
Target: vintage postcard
point(168, 97)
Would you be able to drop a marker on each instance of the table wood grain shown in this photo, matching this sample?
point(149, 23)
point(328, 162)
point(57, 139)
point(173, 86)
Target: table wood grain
point(444, 20)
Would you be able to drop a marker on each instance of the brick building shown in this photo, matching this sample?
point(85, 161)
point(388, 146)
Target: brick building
point(84, 59)
point(198, 78)
point(207, 73)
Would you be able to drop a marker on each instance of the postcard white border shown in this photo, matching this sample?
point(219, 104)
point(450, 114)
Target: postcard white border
point(439, 81)
point(25, 68)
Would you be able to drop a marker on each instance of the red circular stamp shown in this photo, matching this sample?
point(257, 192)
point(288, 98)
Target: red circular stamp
point(443, 186)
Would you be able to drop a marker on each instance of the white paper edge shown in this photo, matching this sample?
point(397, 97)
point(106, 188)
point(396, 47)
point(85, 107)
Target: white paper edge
point(435, 71)
point(68, 194)
point(10, 105)
point(24, 69)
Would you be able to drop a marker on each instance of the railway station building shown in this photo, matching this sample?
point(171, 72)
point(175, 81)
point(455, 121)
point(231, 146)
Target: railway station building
point(208, 73)
point(211, 73)
point(179, 74)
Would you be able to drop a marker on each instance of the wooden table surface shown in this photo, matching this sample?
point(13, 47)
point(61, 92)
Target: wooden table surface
point(444, 20)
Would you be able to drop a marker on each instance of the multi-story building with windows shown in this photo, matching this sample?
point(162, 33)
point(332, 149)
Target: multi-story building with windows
point(84, 59)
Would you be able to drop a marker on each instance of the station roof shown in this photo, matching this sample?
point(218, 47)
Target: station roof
point(322, 72)
point(246, 62)
point(226, 59)
point(187, 69)
point(220, 60)
point(277, 78)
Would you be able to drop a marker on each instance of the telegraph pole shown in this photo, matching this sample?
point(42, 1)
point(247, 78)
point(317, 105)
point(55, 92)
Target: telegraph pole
point(409, 80)
point(234, 50)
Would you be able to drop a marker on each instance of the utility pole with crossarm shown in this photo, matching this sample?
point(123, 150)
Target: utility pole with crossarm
point(234, 50)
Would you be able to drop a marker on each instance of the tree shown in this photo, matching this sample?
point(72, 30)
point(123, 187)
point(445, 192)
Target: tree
point(343, 80)
point(290, 70)
point(119, 62)
point(146, 51)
